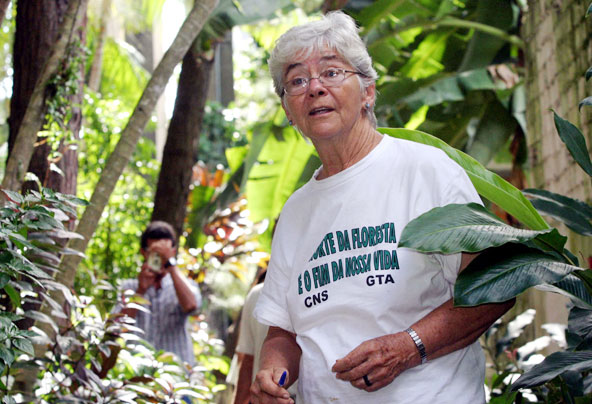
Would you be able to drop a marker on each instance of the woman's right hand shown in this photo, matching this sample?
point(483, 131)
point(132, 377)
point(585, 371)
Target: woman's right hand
point(266, 390)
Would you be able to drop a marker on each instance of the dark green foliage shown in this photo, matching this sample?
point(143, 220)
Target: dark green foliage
point(509, 265)
point(32, 232)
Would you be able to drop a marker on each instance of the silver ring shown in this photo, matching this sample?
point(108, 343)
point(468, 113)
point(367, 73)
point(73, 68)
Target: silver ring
point(368, 383)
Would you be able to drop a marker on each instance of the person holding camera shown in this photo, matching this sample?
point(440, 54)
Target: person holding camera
point(172, 297)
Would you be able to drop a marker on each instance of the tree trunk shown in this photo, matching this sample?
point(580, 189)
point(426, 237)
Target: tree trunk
point(182, 140)
point(30, 53)
point(22, 145)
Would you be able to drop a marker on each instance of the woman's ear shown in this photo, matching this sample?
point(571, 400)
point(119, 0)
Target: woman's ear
point(370, 95)
point(288, 115)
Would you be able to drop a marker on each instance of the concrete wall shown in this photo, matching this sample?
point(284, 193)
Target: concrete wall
point(558, 53)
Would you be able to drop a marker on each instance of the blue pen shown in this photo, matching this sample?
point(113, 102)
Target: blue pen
point(283, 378)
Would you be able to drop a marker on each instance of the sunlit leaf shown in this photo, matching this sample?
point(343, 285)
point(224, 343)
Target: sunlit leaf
point(191, 393)
point(44, 318)
point(13, 196)
point(425, 60)
point(143, 390)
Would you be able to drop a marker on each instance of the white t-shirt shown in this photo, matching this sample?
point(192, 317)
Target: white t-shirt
point(337, 277)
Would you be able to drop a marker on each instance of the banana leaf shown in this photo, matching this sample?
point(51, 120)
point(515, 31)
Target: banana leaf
point(465, 227)
point(553, 366)
point(488, 184)
point(502, 273)
point(484, 47)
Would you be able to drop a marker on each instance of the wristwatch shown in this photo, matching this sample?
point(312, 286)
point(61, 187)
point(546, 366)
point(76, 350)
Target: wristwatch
point(171, 262)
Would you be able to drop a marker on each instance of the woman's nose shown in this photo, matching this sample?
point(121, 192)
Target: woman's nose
point(316, 87)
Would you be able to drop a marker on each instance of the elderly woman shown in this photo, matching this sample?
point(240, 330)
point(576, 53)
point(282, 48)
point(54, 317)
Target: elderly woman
point(352, 317)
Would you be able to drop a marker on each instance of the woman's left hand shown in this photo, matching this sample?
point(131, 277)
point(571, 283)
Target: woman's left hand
point(379, 360)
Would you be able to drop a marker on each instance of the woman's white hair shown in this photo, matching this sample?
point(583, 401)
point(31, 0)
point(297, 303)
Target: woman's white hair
point(337, 31)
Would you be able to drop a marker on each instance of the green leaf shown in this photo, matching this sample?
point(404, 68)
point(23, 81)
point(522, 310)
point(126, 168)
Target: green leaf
point(483, 47)
point(457, 227)
point(574, 213)
point(487, 183)
point(13, 294)
point(24, 345)
point(502, 273)
point(277, 174)
point(380, 9)
point(44, 318)
point(493, 132)
point(553, 366)
point(572, 287)
point(445, 90)
point(580, 322)
point(6, 355)
point(585, 101)
point(13, 196)
point(4, 279)
point(426, 58)
point(478, 79)
point(575, 142)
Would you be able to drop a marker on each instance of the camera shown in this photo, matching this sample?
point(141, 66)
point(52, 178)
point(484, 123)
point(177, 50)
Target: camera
point(154, 262)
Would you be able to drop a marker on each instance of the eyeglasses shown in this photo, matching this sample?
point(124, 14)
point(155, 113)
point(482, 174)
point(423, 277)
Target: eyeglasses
point(329, 78)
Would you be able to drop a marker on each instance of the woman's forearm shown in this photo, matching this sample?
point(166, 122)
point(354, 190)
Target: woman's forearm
point(449, 328)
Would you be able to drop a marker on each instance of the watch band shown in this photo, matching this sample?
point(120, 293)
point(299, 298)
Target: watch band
point(171, 262)
point(418, 343)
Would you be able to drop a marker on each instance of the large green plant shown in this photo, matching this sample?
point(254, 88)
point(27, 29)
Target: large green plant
point(513, 259)
point(448, 68)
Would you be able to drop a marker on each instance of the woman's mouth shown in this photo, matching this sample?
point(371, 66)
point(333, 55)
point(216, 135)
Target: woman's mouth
point(320, 110)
